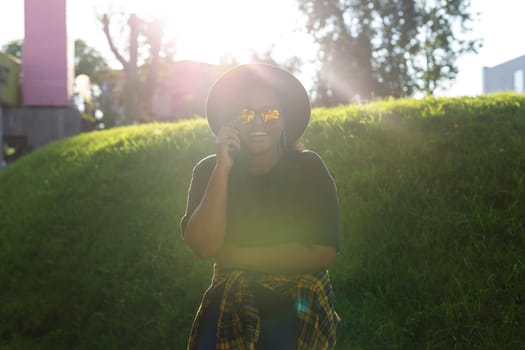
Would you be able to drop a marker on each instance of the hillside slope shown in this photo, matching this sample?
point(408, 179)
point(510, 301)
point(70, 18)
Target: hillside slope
point(432, 198)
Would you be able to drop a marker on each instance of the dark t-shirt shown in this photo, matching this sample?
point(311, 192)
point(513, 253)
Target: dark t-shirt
point(296, 201)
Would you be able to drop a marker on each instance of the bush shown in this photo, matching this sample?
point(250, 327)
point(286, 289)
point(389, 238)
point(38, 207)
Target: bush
point(432, 203)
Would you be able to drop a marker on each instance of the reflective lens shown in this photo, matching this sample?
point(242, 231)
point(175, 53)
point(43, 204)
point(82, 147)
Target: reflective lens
point(267, 115)
point(246, 116)
point(270, 115)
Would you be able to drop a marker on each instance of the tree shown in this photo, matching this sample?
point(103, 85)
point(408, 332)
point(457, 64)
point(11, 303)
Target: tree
point(441, 46)
point(375, 48)
point(14, 48)
point(89, 61)
point(345, 49)
point(140, 81)
point(397, 25)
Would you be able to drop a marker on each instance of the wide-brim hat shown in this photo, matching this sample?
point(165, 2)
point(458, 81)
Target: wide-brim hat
point(223, 99)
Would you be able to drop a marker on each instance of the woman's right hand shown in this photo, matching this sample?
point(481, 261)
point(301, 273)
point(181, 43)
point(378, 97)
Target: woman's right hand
point(227, 138)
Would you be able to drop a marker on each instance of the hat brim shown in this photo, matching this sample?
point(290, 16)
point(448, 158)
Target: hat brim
point(224, 96)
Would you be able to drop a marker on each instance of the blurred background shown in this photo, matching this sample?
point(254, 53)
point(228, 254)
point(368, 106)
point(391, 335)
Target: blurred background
point(124, 62)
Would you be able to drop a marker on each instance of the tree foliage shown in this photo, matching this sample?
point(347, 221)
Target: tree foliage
point(14, 48)
point(375, 48)
point(89, 61)
point(440, 46)
point(292, 64)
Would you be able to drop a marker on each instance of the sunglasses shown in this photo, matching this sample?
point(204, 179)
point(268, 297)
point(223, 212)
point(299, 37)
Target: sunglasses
point(267, 115)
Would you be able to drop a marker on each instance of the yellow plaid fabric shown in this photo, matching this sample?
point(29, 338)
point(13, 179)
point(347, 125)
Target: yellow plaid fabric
point(238, 327)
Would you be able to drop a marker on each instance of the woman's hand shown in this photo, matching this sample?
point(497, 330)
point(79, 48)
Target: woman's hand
point(226, 140)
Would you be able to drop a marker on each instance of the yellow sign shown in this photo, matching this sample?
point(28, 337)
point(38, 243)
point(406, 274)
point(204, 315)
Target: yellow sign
point(9, 80)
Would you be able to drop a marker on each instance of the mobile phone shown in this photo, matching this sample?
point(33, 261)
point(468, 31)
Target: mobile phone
point(233, 151)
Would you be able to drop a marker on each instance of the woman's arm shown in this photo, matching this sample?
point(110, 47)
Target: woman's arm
point(205, 229)
point(292, 257)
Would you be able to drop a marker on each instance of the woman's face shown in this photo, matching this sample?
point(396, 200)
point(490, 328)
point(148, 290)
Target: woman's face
point(259, 137)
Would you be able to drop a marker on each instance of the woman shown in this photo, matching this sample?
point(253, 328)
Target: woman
point(267, 213)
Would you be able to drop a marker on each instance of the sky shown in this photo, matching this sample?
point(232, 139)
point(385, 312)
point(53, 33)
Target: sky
point(204, 30)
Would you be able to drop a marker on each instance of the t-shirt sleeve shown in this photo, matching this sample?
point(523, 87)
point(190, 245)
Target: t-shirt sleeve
point(321, 203)
point(199, 183)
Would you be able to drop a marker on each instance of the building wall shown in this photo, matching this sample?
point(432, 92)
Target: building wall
point(40, 125)
point(182, 94)
point(9, 80)
point(505, 76)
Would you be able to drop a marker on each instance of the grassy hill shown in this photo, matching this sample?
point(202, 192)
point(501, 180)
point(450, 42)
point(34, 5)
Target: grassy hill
point(432, 197)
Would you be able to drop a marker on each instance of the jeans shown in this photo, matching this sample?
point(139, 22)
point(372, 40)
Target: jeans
point(278, 332)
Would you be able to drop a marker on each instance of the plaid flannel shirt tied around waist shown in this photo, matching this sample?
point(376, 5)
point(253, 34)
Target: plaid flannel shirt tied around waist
point(239, 321)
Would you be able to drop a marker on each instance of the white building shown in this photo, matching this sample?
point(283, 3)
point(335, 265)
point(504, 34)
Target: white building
point(507, 76)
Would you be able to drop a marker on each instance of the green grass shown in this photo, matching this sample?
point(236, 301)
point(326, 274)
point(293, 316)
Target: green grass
point(432, 197)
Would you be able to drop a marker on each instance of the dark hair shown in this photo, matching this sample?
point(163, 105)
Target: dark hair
point(290, 146)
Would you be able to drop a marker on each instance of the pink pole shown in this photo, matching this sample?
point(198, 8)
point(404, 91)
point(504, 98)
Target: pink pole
point(47, 57)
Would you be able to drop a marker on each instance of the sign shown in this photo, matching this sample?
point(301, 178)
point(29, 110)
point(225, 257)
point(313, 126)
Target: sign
point(9, 80)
